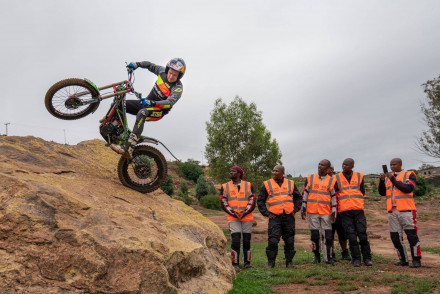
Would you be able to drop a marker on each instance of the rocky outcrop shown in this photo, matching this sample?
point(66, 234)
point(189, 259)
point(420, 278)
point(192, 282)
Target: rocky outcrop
point(67, 225)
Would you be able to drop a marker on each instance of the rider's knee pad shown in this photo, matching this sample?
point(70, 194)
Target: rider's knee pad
point(395, 237)
point(328, 236)
point(236, 237)
point(413, 239)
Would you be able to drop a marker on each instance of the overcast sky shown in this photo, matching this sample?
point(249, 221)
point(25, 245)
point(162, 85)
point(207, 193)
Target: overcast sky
point(334, 79)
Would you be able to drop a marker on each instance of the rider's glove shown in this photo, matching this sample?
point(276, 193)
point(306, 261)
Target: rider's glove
point(132, 65)
point(145, 102)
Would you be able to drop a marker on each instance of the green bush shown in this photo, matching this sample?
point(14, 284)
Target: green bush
point(202, 187)
point(168, 186)
point(184, 197)
point(212, 189)
point(190, 170)
point(422, 187)
point(211, 201)
point(184, 187)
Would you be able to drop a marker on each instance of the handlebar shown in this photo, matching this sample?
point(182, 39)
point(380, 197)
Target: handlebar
point(131, 79)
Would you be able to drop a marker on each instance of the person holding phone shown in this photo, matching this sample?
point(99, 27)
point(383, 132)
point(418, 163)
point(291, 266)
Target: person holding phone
point(398, 188)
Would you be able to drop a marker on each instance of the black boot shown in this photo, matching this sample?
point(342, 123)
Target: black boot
point(355, 252)
point(235, 256)
point(329, 253)
point(316, 258)
point(270, 264)
point(247, 258)
point(289, 258)
point(401, 262)
point(345, 255)
point(416, 262)
point(271, 255)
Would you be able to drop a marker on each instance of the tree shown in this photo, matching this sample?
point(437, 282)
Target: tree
point(190, 170)
point(202, 187)
point(237, 136)
point(184, 186)
point(429, 142)
point(168, 186)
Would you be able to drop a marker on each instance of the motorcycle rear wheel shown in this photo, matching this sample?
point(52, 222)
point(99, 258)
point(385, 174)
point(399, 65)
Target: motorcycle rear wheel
point(145, 171)
point(62, 103)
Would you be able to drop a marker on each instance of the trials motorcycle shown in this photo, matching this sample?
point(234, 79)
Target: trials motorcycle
point(70, 99)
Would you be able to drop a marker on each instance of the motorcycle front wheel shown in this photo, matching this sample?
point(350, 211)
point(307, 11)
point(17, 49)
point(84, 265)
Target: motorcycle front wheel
point(65, 99)
point(145, 171)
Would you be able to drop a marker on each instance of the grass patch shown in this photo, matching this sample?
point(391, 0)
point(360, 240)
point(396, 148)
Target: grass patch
point(432, 249)
point(226, 232)
point(344, 286)
point(343, 277)
point(424, 216)
point(302, 232)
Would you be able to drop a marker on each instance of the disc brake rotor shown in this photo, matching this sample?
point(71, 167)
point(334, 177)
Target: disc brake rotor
point(141, 167)
point(73, 103)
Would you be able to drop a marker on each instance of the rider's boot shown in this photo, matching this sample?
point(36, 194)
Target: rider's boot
point(126, 149)
point(103, 119)
point(133, 139)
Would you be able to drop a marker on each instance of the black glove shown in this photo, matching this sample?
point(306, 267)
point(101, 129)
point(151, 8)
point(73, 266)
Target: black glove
point(303, 213)
point(333, 218)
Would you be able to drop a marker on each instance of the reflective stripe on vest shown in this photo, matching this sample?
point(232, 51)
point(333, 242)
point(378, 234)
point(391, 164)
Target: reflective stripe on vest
point(349, 196)
point(280, 198)
point(238, 200)
point(404, 201)
point(319, 197)
point(163, 87)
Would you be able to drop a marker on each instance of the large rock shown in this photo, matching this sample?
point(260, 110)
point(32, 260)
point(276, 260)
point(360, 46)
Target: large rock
point(67, 225)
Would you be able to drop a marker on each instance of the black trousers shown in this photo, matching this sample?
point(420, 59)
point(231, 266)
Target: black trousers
point(337, 227)
point(355, 226)
point(143, 114)
point(282, 225)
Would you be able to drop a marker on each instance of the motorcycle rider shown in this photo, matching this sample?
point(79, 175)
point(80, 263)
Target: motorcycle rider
point(165, 93)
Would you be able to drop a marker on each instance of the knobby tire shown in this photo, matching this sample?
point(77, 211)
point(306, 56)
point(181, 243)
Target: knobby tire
point(59, 91)
point(128, 177)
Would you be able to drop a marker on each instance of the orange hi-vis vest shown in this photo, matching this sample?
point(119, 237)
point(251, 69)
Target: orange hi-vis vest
point(163, 87)
point(349, 195)
point(280, 199)
point(238, 200)
point(319, 200)
point(404, 201)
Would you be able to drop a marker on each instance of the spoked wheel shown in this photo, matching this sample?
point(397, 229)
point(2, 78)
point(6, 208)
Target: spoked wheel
point(64, 99)
point(145, 172)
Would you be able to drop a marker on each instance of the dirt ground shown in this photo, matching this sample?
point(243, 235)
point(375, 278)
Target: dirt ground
point(428, 229)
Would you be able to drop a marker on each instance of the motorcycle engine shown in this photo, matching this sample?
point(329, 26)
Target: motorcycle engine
point(111, 131)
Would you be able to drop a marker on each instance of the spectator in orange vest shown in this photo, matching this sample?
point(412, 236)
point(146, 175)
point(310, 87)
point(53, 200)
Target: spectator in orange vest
point(283, 200)
point(319, 205)
point(238, 201)
point(398, 188)
point(350, 193)
point(338, 228)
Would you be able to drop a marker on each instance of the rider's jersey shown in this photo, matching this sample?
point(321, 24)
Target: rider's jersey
point(163, 92)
